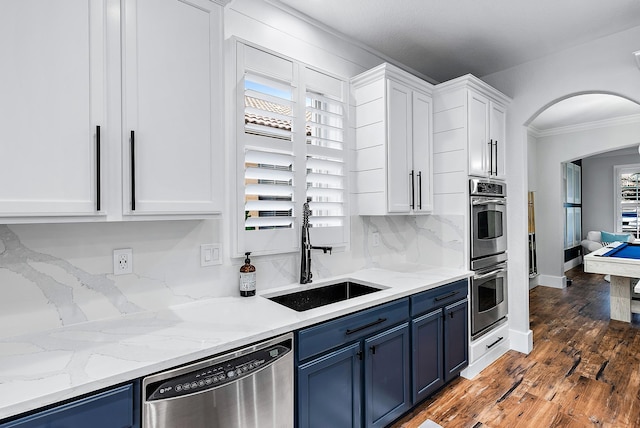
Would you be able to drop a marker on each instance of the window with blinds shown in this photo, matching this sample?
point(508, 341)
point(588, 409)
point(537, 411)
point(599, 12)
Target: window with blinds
point(291, 145)
point(268, 154)
point(325, 155)
point(629, 200)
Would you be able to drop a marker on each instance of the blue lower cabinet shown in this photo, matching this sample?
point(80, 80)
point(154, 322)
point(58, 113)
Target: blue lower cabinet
point(456, 331)
point(386, 379)
point(427, 353)
point(329, 393)
point(115, 408)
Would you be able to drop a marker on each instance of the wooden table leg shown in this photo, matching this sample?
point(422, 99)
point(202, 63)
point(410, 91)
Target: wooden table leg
point(620, 298)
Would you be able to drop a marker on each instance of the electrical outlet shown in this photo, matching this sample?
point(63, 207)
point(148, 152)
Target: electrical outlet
point(122, 261)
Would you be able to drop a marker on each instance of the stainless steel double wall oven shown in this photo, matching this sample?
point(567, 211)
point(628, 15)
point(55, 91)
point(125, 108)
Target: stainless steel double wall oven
point(488, 207)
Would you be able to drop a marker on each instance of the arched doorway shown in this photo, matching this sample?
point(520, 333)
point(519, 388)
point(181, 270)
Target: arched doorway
point(565, 132)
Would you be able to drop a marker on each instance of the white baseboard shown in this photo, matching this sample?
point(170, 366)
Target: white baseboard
point(521, 341)
point(573, 263)
point(552, 281)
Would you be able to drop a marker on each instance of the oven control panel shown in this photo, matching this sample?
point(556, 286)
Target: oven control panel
point(215, 375)
point(482, 187)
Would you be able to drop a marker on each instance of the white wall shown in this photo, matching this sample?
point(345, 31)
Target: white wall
point(604, 65)
point(598, 191)
point(551, 152)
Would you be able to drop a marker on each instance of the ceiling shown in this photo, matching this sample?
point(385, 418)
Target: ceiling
point(446, 39)
point(441, 39)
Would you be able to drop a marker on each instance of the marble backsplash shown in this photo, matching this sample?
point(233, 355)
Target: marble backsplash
point(54, 275)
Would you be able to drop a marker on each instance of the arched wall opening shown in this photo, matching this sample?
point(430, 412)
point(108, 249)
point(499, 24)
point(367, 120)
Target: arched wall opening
point(575, 127)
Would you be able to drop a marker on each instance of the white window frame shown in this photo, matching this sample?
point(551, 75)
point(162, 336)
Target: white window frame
point(279, 241)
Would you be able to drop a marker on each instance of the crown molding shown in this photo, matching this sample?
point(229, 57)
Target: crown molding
point(291, 11)
point(581, 127)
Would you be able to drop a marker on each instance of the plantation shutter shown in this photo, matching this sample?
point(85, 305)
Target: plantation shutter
point(325, 157)
point(629, 197)
point(267, 150)
point(290, 146)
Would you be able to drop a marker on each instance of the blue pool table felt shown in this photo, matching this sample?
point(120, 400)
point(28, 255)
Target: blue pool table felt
point(625, 251)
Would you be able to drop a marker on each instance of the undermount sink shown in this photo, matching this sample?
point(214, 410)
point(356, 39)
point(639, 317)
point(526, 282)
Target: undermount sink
point(324, 295)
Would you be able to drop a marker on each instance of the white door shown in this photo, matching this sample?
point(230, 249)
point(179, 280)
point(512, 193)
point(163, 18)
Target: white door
point(399, 172)
point(172, 128)
point(51, 102)
point(478, 123)
point(422, 152)
point(497, 129)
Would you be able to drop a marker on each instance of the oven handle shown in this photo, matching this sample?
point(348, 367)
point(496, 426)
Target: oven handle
point(488, 201)
point(488, 274)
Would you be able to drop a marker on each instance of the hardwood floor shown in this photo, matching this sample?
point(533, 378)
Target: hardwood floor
point(583, 370)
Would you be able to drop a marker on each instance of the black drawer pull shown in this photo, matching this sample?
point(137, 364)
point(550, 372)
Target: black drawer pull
point(495, 343)
point(446, 296)
point(362, 327)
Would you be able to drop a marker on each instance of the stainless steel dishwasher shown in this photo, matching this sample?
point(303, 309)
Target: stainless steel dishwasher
point(248, 388)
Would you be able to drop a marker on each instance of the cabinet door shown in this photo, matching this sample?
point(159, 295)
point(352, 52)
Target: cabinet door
point(456, 336)
point(422, 153)
point(478, 123)
point(52, 86)
point(172, 128)
point(497, 130)
point(116, 408)
point(398, 147)
point(386, 379)
point(427, 353)
point(329, 390)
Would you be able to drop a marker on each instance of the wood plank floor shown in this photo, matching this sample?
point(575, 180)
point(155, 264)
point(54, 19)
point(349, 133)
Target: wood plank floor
point(583, 370)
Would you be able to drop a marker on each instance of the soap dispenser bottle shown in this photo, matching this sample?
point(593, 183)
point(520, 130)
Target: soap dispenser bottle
point(247, 278)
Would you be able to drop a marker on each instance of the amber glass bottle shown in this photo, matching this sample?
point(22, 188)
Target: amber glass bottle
point(247, 278)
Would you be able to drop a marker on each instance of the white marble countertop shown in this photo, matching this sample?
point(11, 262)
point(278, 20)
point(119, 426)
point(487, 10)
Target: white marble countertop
point(41, 369)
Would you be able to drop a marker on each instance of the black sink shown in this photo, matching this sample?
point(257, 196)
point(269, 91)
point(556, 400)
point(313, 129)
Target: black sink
point(321, 296)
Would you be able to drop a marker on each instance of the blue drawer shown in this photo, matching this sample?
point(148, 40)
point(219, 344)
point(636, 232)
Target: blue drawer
point(438, 297)
point(109, 409)
point(323, 337)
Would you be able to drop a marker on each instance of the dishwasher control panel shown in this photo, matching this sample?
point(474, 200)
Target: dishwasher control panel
point(216, 375)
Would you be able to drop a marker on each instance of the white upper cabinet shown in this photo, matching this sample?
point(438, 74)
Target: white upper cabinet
point(53, 91)
point(469, 119)
point(393, 142)
point(172, 97)
point(110, 109)
point(486, 136)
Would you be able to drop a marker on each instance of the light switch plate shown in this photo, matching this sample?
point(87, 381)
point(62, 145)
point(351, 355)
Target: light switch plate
point(210, 255)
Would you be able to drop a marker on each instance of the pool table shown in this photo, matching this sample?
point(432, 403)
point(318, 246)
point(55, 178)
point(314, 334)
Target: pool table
point(622, 262)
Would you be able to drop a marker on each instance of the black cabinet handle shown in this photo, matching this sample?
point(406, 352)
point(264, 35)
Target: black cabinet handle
point(495, 343)
point(133, 171)
point(419, 190)
point(413, 205)
point(362, 327)
point(496, 163)
point(98, 168)
point(359, 354)
point(373, 349)
point(490, 157)
point(446, 296)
